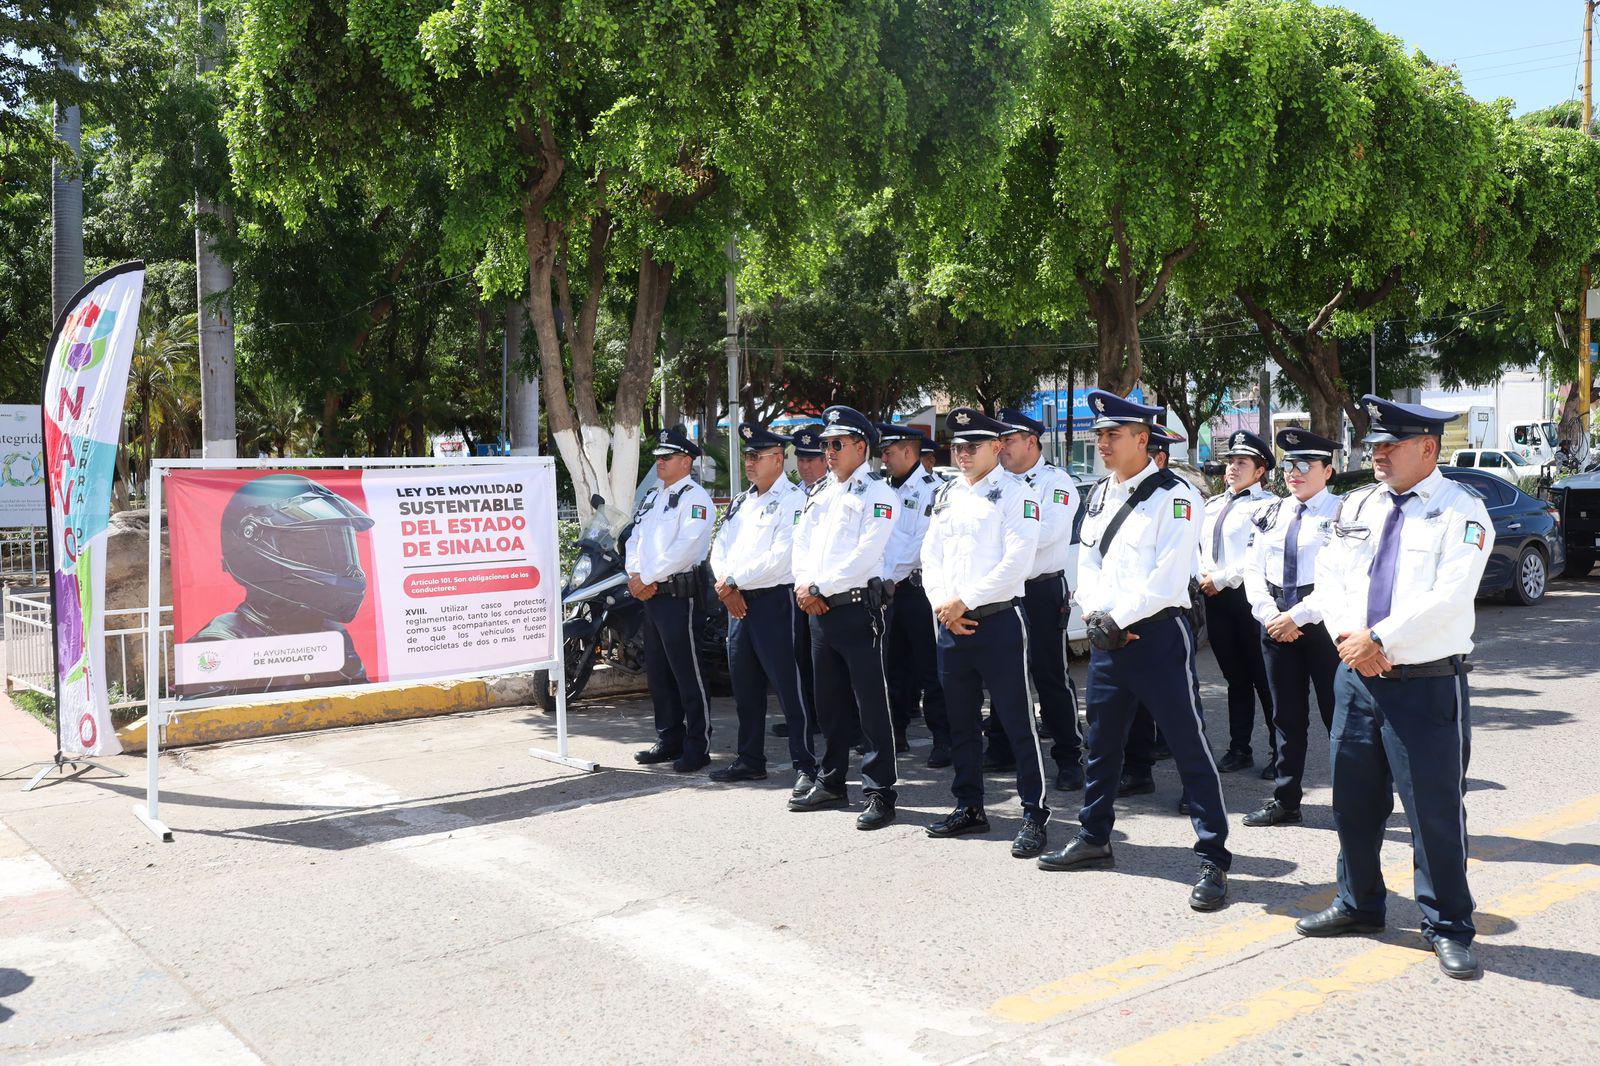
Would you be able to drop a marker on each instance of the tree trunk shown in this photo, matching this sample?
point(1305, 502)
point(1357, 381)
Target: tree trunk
point(522, 388)
point(66, 211)
point(1116, 320)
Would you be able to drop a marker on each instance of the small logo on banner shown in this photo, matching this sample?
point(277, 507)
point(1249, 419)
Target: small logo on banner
point(1030, 509)
point(696, 511)
point(1059, 496)
point(882, 510)
point(208, 662)
point(1473, 535)
point(1181, 509)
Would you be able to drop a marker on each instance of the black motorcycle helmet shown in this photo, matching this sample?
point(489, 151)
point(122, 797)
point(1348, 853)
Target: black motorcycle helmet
point(288, 539)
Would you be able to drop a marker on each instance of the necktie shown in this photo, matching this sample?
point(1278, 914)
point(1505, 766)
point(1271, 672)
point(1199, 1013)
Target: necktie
point(1216, 531)
point(1380, 592)
point(1291, 558)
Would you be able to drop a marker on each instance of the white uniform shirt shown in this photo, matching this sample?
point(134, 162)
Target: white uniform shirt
point(671, 531)
point(1057, 496)
point(1264, 563)
point(754, 549)
point(840, 541)
point(981, 540)
point(1152, 559)
point(904, 553)
point(1444, 547)
point(1228, 572)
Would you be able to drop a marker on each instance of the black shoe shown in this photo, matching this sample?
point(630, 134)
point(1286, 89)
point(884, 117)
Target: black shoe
point(1161, 752)
point(657, 752)
point(879, 813)
point(1031, 840)
point(1273, 813)
point(1069, 778)
point(1211, 891)
point(994, 763)
point(737, 771)
point(780, 729)
point(1269, 772)
point(1080, 854)
point(803, 783)
point(1235, 760)
point(688, 764)
point(1183, 806)
point(939, 757)
point(959, 822)
point(819, 798)
point(859, 749)
point(901, 743)
point(1456, 959)
point(1136, 785)
point(1335, 921)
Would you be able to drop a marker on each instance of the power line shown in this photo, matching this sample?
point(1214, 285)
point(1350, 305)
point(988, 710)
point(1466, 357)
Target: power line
point(1503, 51)
point(1559, 57)
point(1512, 73)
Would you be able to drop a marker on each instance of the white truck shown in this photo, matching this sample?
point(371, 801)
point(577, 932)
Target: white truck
point(1516, 420)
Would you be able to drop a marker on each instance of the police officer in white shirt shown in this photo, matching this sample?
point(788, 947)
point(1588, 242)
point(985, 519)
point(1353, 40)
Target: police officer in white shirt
point(838, 565)
point(1396, 589)
point(1280, 573)
point(1234, 632)
point(975, 562)
point(1136, 557)
point(752, 558)
point(671, 533)
point(908, 654)
point(813, 470)
point(1047, 595)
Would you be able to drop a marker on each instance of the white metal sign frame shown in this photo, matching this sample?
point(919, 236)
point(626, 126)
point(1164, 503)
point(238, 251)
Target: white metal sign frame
point(149, 812)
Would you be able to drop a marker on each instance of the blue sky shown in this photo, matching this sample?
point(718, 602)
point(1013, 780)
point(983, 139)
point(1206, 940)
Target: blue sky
point(1525, 49)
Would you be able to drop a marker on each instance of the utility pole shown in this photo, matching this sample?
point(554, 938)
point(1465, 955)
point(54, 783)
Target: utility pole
point(219, 431)
point(66, 207)
point(730, 341)
point(1583, 385)
point(1264, 386)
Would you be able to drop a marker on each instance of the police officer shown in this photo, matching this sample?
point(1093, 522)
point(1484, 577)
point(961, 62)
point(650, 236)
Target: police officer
point(671, 532)
point(1136, 557)
point(1280, 573)
point(976, 558)
point(838, 562)
point(909, 660)
point(1234, 632)
point(752, 559)
point(930, 456)
point(809, 464)
point(1395, 588)
point(1145, 746)
point(1047, 595)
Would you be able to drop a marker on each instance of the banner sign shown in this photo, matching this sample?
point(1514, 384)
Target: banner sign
point(21, 466)
point(298, 579)
point(86, 378)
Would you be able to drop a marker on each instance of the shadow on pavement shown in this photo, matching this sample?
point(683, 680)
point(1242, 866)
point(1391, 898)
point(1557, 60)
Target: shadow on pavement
point(1576, 971)
point(11, 982)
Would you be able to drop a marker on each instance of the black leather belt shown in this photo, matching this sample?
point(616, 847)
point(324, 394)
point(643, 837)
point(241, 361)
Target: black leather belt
point(848, 596)
point(1161, 616)
point(975, 614)
point(1051, 576)
point(1446, 667)
point(1277, 591)
point(681, 586)
point(914, 578)
point(751, 594)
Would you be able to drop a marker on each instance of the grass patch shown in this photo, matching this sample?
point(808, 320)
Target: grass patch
point(37, 704)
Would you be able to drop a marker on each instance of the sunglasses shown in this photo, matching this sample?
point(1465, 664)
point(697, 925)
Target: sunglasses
point(834, 445)
point(1300, 466)
point(966, 448)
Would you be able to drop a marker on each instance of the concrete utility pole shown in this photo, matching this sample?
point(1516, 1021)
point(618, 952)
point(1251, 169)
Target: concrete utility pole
point(1584, 379)
point(1264, 385)
point(66, 210)
point(730, 341)
point(219, 434)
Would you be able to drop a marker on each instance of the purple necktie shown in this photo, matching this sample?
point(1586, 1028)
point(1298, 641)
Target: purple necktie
point(1216, 532)
point(1380, 592)
point(1291, 559)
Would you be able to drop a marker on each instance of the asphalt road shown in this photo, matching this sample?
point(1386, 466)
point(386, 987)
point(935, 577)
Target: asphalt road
point(427, 892)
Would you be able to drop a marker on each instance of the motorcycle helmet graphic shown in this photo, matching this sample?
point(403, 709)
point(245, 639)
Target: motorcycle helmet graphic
point(289, 541)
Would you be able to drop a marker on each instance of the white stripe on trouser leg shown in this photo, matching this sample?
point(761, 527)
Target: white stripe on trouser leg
point(1033, 727)
point(1461, 761)
point(800, 687)
point(1194, 705)
point(1066, 658)
point(694, 657)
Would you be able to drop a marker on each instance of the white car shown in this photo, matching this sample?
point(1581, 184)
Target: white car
point(1513, 466)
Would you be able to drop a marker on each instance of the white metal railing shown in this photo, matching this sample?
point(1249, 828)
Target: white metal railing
point(29, 662)
point(24, 556)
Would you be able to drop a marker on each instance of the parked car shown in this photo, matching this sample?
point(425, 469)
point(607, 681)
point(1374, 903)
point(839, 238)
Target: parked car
point(1528, 543)
point(1504, 464)
point(1577, 498)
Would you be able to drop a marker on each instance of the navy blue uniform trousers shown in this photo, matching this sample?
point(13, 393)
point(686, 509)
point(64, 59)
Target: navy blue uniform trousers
point(993, 657)
point(672, 665)
point(1294, 671)
point(1236, 642)
point(761, 654)
point(1045, 604)
point(1139, 753)
point(910, 664)
point(1415, 737)
point(852, 698)
point(1157, 670)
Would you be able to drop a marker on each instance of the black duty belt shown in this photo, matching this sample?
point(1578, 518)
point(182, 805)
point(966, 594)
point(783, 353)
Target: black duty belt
point(1446, 667)
point(1279, 600)
point(1051, 576)
point(752, 594)
point(913, 578)
point(682, 585)
point(848, 596)
point(975, 614)
point(1161, 616)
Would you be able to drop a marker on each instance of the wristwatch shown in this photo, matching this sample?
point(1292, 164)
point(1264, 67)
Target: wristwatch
point(813, 590)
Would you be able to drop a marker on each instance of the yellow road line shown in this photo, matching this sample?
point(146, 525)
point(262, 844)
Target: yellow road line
point(1265, 1012)
point(1131, 973)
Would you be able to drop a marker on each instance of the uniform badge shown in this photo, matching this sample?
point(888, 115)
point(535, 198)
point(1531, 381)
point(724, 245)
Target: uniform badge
point(993, 495)
point(1059, 496)
point(663, 437)
point(772, 508)
point(1373, 412)
point(1030, 509)
point(747, 432)
point(1431, 515)
point(1473, 535)
point(962, 418)
point(909, 503)
point(1181, 509)
point(696, 511)
point(1291, 438)
point(833, 416)
point(882, 510)
point(1099, 405)
point(1238, 439)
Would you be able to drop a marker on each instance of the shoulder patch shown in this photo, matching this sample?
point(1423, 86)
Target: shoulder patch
point(696, 511)
point(1181, 509)
point(1030, 509)
point(882, 510)
point(1059, 496)
point(1473, 535)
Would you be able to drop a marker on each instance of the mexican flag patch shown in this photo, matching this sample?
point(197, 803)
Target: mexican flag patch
point(1030, 509)
point(1473, 535)
point(1181, 509)
point(696, 511)
point(882, 510)
point(1059, 496)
